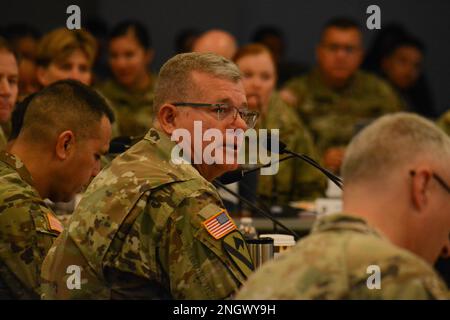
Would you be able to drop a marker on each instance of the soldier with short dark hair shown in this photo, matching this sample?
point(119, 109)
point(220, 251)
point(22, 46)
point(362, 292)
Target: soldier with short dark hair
point(66, 128)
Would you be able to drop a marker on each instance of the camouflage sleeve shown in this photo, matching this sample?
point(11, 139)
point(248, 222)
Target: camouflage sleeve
point(198, 266)
point(27, 231)
point(400, 283)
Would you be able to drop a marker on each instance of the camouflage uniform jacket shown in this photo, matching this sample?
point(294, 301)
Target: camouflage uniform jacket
point(332, 263)
point(295, 180)
point(139, 232)
point(334, 116)
point(444, 122)
point(27, 231)
point(133, 110)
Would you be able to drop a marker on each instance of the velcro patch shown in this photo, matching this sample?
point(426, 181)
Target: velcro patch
point(219, 225)
point(53, 223)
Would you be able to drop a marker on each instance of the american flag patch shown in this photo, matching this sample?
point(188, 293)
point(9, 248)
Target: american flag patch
point(219, 225)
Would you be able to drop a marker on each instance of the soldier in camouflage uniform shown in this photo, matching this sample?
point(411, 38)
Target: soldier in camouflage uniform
point(336, 99)
point(150, 228)
point(444, 122)
point(9, 74)
point(380, 247)
point(295, 179)
point(131, 90)
point(51, 158)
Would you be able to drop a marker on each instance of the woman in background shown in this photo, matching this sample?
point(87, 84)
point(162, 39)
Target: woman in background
point(131, 89)
point(295, 180)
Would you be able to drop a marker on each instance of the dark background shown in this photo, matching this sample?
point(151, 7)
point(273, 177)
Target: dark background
point(300, 20)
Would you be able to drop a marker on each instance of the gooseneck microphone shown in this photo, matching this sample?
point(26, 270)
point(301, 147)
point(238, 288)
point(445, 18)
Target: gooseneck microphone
point(257, 209)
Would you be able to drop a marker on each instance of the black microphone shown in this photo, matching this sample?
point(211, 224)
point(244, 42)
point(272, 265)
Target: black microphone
point(259, 210)
point(283, 150)
point(237, 175)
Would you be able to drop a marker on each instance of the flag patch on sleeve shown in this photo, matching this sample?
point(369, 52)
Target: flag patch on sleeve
point(219, 225)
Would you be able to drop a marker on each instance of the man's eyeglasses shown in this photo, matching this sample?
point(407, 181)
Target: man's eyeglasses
point(225, 111)
point(438, 179)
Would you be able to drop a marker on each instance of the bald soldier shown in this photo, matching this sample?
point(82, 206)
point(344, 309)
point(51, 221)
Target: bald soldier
point(444, 122)
point(394, 224)
point(65, 130)
point(216, 41)
point(336, 99)
point(9, 74)
point(151, 228)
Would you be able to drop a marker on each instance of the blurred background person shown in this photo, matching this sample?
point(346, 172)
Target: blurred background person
point(9, 78)
point(336, 99)
point(295, 179)
point(273, 38)
point(23, 39)
point(130, 91)
point(216, 41)
point(398, 56)
point(65, 54)
point(184, 40)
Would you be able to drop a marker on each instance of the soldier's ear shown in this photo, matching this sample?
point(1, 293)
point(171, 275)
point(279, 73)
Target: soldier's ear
point(420, 183)
point(64, 144)
point(167, 114)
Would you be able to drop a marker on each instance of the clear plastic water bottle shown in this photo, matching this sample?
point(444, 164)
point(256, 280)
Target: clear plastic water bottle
point(247, 229)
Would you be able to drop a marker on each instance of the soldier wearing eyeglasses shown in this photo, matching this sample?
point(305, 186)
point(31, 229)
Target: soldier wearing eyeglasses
point(336, 99)
point(152, 229)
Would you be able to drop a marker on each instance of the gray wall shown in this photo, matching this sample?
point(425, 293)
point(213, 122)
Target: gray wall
point(300, 20)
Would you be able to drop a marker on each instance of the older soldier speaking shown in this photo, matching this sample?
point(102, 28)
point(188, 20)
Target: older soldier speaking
point(152, 229)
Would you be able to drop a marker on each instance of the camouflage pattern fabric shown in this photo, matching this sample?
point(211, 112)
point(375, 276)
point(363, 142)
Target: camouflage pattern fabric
point(444, 122)
point(332, 262)
point(133, 110)
point(27, 231)
point(295, 180)
point(334, 116)
point(139, 232)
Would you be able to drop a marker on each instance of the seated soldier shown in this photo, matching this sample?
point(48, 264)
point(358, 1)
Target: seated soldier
point(336, 98)
point(394, 225)
point(295, 179)
point(65, 130)
point(149, 227)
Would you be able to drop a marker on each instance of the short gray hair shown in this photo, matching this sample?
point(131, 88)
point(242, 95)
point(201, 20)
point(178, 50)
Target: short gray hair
point(391, 142)
point(175, 82)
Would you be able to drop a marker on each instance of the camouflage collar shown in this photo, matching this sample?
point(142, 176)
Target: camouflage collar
point(343, 222)
point(165, 146)
point(320, 86)
point(15, 163)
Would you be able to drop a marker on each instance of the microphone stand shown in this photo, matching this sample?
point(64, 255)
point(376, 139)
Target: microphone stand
point(260, 211)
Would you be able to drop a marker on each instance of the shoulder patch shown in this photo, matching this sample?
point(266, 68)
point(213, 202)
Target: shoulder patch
point(219, 225)
point(53, 223)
